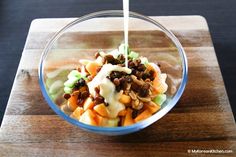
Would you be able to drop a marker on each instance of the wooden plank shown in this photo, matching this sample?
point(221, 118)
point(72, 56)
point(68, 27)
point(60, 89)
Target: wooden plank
point(202, 119)
point(40, 127)
point(120, 148)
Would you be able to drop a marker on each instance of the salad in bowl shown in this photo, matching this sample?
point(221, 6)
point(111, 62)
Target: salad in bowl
point(86, 78)
point(104, 92)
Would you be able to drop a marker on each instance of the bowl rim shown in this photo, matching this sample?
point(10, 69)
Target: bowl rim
point(124, 129)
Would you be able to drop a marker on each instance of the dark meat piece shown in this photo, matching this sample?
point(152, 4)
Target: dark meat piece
point(78, 69)
point(112, 60)
point(84, 94)
point(123, 83)
point(145, 76)
point(81, 82)
point(139, 74)
point(143, 92)
point(135, 87)
point(135, 114)
point(121, 58)
point(141, 67)
point(116, 74)
point(97, 90)
point(128, 78)
point(116, 81)
point(131, 64)
point(66, 96)
point(80, 102)
point(98, 99)
point(137, 62)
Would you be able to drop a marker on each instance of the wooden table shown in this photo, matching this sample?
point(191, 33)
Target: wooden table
point(202, 119)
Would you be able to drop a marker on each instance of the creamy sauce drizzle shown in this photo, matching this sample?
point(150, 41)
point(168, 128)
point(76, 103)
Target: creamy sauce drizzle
point(126, 28)
point(107, 88)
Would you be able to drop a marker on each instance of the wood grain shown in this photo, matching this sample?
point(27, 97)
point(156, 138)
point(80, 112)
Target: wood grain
point(202, 119)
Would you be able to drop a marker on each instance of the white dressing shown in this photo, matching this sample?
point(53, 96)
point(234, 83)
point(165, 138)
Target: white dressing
point(107, 88)
point(126, 28)
point(108, 91)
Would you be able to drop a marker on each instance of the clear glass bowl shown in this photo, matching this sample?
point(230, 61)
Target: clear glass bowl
point(104, 30)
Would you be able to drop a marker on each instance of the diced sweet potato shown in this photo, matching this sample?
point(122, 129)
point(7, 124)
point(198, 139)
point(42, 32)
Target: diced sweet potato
point(122, 120)
point(152, 107)
point(88, 104)
point(92, 67)
point(77, 113)
point(125, 99)
point(145, 114)
point(72, 102)
point(99, 120)
point(101, 109)
point(159, 86)
point(88, 117)
point(122, 112)
point(128, 118)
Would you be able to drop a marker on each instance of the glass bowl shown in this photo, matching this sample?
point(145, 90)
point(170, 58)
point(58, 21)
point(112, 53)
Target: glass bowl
point(84, 36)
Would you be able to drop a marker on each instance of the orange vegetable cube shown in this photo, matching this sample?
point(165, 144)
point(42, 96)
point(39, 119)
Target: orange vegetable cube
point(159, 87)
point(99, 120)
point(88, 104)
point(122, 112)
point(152, 107)
point(72, 102)
point(92, 67)
point(128, 118)
point(101, 109)
point(125, 99)
point(145, 114)
point(159, 84)
point(122, 120)
point(77, 113)
point(88, 117)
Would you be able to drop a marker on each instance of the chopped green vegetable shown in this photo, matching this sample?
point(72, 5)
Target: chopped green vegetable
point(122, 49)
point(55, 87)
point(144, 60)
point(67, 90)
point(74, 73)
point(160, 99)
point(56, 95)
point(73, 77)
point(53, 96)
point(113, 122)
point(49, 82)
point(133, 55)
point(70, 83)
